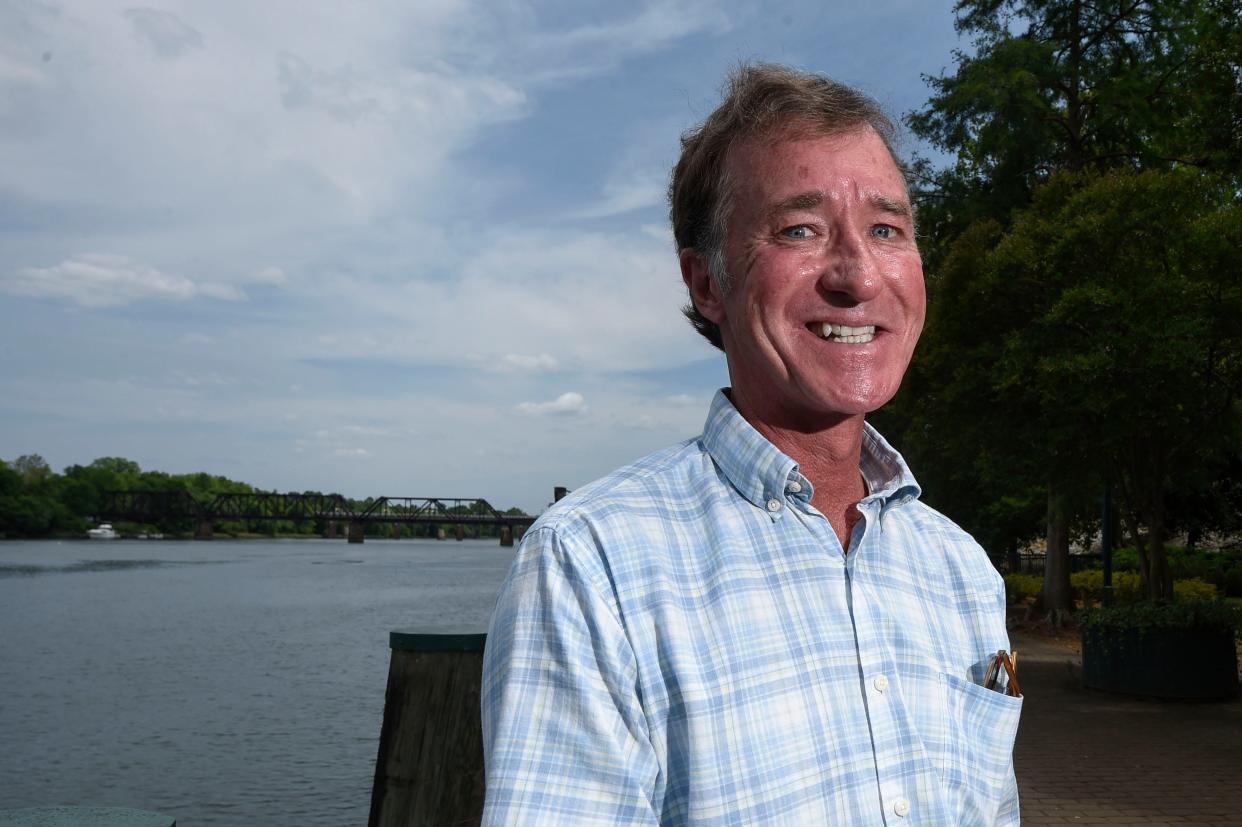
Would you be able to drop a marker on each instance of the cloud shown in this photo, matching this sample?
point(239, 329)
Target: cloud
point(353, 453)
point(566, 404)
point(164, 32)
point(530, 300)
point(565, 54)
point(632, 193)
point(100, 280)
point(520, 362)
point(270, 275)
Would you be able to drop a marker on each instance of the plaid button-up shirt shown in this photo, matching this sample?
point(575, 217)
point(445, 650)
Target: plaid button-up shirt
point(686, 642)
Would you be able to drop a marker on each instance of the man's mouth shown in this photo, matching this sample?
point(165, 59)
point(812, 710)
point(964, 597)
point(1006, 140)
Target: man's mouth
point(843, 333)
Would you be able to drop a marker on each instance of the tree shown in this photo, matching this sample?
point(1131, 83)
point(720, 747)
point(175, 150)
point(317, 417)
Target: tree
point(1053, 86)
point(1073, 85)
point(32, 468)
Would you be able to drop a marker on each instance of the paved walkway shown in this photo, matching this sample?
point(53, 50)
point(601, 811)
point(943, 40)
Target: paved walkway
point(1086, 757)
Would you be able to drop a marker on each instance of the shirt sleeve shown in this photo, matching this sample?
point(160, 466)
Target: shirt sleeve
point(565, 739)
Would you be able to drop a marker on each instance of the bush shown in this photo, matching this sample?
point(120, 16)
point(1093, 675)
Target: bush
point(1019, 587)
point(1193, 589)
point(1206, 615)
point(1221, 569)
point(1088, 586)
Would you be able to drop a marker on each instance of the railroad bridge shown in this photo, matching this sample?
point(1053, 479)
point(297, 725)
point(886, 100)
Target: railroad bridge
point(333, 509)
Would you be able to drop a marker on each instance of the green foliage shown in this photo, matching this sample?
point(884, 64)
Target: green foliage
point(1064, 85)
point(1019, 587)
point(1209, 616)
point(43, 503)
point(1088, 586)
point(1082, 272)
point(1222, 570)
point(1194, 589)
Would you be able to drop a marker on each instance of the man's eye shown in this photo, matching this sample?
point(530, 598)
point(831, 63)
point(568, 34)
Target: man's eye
point(884, 231)
point(798, 231)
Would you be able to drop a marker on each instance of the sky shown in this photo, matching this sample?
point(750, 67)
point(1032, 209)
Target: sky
point(413, 248)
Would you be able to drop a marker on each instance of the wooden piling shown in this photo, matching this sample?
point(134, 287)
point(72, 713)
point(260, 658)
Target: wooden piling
point(430, 765)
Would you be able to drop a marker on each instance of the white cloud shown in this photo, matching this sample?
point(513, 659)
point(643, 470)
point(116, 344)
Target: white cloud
point(565, 404)
point(100, 280)
point(597, 47)
point(527, 298)
point(627, 194)
point(521, 362)
point(351, 453)
point(270, 275)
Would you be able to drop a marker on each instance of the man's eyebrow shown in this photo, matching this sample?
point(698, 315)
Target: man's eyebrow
point(813, 198)
point(801, 201)
point(891, 205)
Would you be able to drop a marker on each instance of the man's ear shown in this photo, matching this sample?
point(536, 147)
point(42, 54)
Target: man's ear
point(704, 291)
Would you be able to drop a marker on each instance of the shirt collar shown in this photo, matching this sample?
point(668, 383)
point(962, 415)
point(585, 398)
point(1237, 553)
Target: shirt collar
point(761, 472)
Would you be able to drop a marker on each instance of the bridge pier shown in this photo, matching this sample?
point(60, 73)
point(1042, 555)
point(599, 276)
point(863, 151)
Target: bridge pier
point(205, 531)
point(357, 531)
point(506, 536)
point(331, 531)
point(396, 531)
point(461, 532)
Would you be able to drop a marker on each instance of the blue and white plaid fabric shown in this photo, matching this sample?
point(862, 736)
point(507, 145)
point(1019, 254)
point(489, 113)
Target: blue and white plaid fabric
point(685, 642)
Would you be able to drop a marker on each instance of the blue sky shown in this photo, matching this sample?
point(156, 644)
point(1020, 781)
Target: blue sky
point(383, 248)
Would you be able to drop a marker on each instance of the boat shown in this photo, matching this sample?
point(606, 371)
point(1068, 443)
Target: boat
point(104, 532)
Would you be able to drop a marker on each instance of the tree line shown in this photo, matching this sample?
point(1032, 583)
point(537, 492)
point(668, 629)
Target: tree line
point(1082, 250)
point(37, 502)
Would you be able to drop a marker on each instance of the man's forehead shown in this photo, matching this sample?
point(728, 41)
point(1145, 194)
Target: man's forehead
point(749, 164)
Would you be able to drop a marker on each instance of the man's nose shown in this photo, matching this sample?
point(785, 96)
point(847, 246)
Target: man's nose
point(851, 273)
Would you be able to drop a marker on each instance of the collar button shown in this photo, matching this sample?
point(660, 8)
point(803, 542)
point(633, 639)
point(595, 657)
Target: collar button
point(774, 505)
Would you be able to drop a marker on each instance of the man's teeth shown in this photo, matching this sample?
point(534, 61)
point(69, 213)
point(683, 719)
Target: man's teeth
point(846, 334)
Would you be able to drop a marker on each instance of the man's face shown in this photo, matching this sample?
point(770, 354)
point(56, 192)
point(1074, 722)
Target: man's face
point(826, 301)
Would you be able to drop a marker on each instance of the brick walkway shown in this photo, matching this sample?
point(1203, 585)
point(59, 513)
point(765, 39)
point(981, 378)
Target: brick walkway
point(1086, 757)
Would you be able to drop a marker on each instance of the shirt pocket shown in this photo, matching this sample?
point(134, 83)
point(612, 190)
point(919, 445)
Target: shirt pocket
point(982, 725)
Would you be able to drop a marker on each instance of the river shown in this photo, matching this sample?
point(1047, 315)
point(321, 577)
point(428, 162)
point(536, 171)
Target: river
point(223, 682)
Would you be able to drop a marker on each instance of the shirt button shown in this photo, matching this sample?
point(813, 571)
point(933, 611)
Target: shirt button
point(880, 683)
point(901, 807)
point(774, 505)
point(794, 487)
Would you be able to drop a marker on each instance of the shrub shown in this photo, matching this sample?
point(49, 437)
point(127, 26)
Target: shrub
point(1206, 615)
point(1233, 580)
point(1088, 586)
point(1018, 587)
point(1222, 569)
point(1193, 589)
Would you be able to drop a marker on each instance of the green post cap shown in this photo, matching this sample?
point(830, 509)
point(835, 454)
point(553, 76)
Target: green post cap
point(437, 639)
point(83, 817)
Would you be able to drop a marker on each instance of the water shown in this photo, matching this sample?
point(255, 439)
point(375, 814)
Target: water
point(223, 683)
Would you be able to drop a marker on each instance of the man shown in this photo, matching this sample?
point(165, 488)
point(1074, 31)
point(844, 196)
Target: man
point(763, 625)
